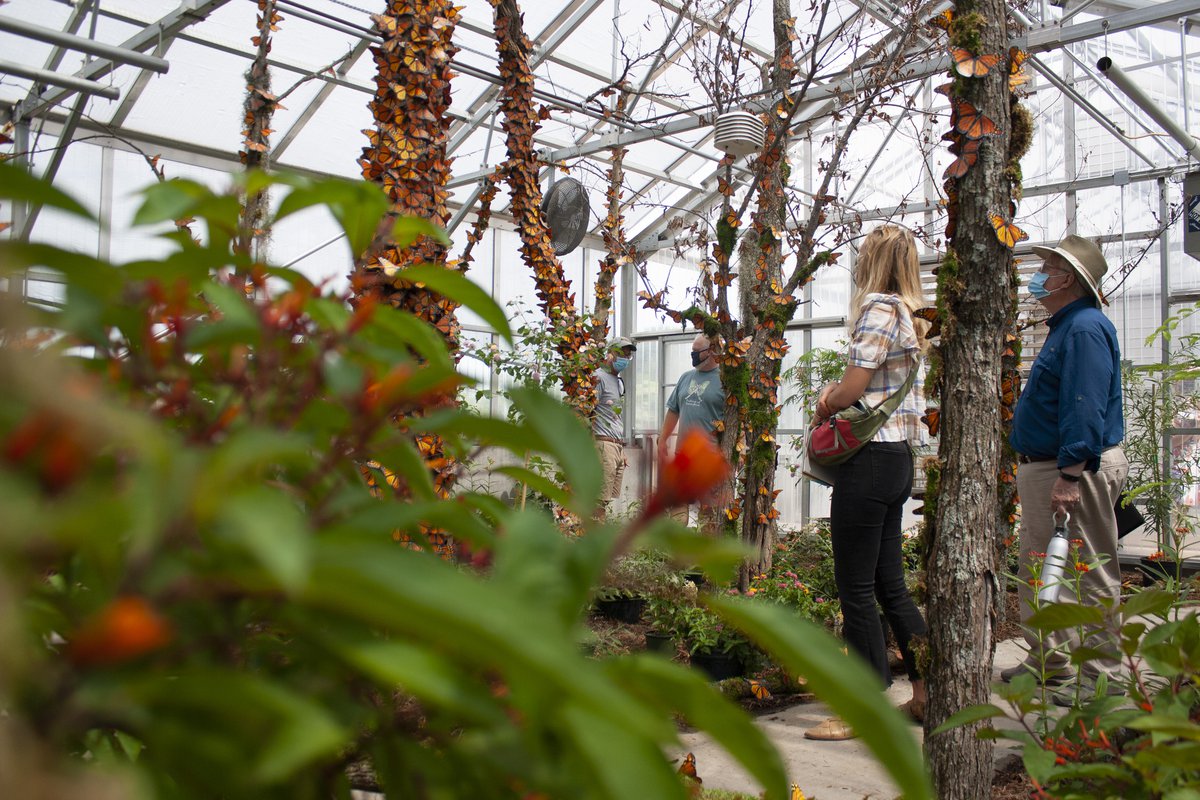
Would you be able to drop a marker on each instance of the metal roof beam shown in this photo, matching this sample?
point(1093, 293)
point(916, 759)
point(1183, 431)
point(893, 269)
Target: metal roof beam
point(315, 104)
point(555, 33)
point(68, 83)
point(187, 13)
point(118, 55)
point(1055, 36)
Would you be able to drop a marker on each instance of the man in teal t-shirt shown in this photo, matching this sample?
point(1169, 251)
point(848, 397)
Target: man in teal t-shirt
point(698, 400)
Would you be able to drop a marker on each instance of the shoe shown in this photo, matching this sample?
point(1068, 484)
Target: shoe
point(1055, 676)
point(914, 709)
point(831, 730)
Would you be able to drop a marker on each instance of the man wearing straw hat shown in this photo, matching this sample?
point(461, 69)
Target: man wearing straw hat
point(1067, 430)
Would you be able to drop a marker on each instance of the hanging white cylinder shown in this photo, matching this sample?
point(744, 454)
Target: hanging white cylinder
point(739, 133)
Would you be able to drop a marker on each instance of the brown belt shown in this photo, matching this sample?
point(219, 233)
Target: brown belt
point(1024, 459)
point(612, 439)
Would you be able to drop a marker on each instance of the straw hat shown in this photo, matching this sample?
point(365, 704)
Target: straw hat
point(1085, 258)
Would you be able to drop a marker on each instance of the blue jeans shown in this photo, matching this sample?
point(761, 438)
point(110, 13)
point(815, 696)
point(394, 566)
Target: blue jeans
point(868, 503)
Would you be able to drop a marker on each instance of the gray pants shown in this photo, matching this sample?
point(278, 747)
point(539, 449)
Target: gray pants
point(1093, 522)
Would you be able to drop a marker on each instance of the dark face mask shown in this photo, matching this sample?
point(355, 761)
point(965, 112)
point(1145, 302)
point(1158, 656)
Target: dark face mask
point(697, 358)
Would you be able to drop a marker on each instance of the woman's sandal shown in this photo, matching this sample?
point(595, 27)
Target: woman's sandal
point(831, 730)
point(914, 709)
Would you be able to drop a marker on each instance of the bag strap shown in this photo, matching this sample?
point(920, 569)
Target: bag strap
point(893, 401)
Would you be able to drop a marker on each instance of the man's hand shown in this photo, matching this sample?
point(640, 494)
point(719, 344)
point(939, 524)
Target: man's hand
point(1064, 496)
point(663, 450)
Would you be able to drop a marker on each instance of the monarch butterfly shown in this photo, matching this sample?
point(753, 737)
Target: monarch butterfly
point(759, 690)
point(1010, 340)
point(930, 315)
point(1016, 71)
point(966, 159)
point(933, 420)
point(971, 123)
point(688, 768)
point(1008, 233)
point(972, 66)
point(943, 20)
point(944, 88)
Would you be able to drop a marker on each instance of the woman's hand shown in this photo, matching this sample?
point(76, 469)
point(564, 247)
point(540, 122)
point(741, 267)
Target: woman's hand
point(824, 410)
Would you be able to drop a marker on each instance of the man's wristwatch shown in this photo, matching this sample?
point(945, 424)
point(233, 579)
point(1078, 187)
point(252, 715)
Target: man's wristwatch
point(1068, 477)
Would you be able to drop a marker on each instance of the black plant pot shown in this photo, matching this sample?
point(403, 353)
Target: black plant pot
point(1159, 569)
point(659, 642)
point(718, 666)
point(622, 609)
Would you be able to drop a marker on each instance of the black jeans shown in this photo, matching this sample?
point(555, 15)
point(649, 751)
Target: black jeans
point(868, 503)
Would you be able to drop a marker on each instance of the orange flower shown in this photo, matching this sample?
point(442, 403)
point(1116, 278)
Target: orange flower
point(1157, 555)
point(125, 629)
point(1082, 567)
point(696, 469)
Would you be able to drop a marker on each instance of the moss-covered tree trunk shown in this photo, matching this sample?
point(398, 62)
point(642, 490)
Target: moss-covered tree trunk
point(765, 306)
point(521, 121)
point(407, 156)
point(258, 110)
point(975, 291)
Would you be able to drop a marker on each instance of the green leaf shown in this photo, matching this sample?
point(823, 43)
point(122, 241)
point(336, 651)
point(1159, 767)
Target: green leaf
point(569, 441)
point(968, 716)
point(674, 687)
point(358, 206)
point(717, 558)
point(427, 600)
point(427, 675)
point(1039, 762)
point(1153, 602)
point(1171, 726)
point(402, 458)
point(397, 329)
point(458, 287)
point(408, 229)
point(844, 681)
point(19, 185)
point(169, 200)
point(622, 766)
point(273, 529)
point(537, 482)
point(1061, 616)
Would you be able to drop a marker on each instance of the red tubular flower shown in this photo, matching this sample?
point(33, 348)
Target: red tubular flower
point(696, 469)
point(125, 629)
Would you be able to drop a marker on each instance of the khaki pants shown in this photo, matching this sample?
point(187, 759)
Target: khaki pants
point(1093, 522)
point(612, 460)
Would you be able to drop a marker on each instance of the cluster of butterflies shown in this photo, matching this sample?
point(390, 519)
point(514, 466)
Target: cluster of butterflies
point(969, 127)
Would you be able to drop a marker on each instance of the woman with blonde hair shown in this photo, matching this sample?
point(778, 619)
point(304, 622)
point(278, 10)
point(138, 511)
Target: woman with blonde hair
point(871, 487)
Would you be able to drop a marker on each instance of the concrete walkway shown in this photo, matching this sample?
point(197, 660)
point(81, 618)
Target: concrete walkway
point(827, 770)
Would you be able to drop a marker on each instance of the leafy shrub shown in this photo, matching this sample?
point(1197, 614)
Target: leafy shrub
point(202, 592)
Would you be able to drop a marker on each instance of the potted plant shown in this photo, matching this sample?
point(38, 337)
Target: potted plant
point(716, 648)
point(628, 582)
point(666, 612)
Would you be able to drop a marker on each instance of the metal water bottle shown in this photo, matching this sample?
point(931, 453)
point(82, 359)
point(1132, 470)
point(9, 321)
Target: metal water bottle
point(1056, 560)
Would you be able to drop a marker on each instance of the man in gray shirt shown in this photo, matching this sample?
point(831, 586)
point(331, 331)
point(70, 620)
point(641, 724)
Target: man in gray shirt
point(698, 401)
point(608, 428)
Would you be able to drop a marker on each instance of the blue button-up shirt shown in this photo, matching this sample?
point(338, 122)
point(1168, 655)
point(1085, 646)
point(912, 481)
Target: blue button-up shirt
point(1071, 408)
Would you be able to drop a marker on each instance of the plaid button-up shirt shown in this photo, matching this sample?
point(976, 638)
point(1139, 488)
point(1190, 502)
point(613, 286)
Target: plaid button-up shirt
point(884, 340)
